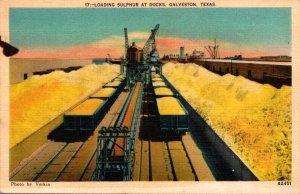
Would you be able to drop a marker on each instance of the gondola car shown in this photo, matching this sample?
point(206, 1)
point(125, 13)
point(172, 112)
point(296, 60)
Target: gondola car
point(85, 116)
point(173, 117)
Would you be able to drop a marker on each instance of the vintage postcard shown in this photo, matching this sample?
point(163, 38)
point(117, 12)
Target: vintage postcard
point(149, 96)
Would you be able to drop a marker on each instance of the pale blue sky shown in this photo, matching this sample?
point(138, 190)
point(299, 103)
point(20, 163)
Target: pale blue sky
point(251, 31)
point(71, 27)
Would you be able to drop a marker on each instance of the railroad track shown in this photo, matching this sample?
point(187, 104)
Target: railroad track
point(160, 158)
point(61, 161)
point(182, 167)
point(157, 157)
point(163, 161)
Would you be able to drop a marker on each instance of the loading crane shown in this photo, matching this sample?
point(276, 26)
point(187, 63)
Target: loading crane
point(150, 42)
point(140, 61)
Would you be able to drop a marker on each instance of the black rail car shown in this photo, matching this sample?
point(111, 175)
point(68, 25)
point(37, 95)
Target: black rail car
point(173, 117)
point(170, 120)
point(86, 116)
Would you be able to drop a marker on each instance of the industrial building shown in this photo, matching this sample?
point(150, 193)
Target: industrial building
point(274, 73)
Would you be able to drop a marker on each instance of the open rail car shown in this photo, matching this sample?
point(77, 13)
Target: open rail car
point(87, 115)
point(173, 117)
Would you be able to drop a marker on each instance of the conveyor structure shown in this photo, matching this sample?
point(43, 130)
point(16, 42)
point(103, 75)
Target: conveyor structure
point(115, 144)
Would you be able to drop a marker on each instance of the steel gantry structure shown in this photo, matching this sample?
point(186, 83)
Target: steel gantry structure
point(116, 143)
point(139, 61)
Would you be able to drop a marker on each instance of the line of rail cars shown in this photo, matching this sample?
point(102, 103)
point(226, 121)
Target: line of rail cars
point(173, 117)
point(87, 115)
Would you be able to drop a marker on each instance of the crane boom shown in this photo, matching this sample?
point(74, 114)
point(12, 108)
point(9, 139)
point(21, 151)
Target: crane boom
point(150, 41)
point(126, 42)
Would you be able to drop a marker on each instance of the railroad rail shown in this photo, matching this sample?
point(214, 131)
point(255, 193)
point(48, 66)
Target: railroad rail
point(67, 161)
point(164, 158)
point(163, 161)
